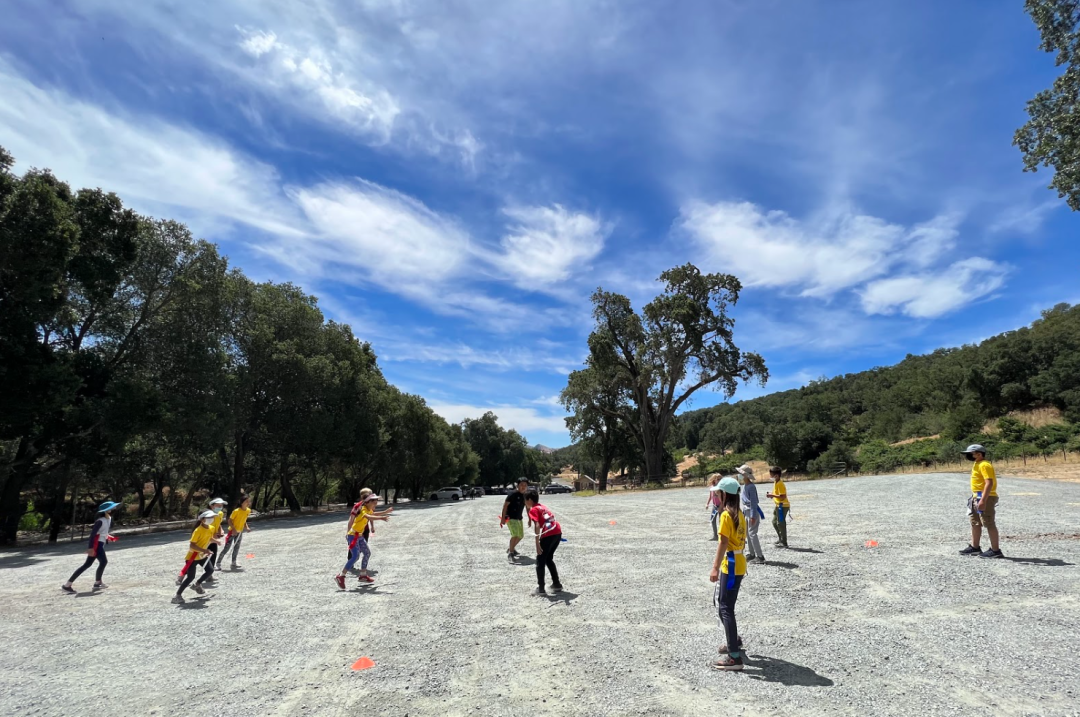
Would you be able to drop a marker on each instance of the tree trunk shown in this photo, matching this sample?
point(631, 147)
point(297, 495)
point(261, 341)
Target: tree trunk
point(12, 506)
point(602, 473)
point(286, 486)
point(237, 486)
point(57, 518)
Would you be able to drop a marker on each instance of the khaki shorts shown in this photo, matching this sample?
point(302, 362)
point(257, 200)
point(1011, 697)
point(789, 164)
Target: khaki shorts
point(516, 530)
point(986, 519)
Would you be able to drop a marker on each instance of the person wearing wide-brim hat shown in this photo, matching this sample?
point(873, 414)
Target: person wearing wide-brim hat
point(95, 549)
point(751, 510)
point(982, 505)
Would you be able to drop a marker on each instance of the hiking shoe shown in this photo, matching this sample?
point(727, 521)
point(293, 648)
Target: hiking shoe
point(556, 588)
point(67, 588)
point(100, 586)
point(539, 591)
point(991, 554)
point(727, 663)
point(340, 580)
point(198, 588)
point(365, 579)
point(971, 550)
point(178, 600)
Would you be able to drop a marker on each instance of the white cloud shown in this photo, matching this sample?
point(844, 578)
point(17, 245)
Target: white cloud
point(521, 419)
point(312, 79)
point(823, 257)
point(392, 237)
point(151, 164)
point(931, 294)
point(546, 245)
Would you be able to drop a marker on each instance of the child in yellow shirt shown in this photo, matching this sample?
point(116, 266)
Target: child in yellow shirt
point(357, 543)
point(198, 554)
point(781, 508)
point(729, 568)
point(238, 525)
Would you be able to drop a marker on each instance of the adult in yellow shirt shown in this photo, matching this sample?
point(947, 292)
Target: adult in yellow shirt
point(982, 505)
point(729, 568)
point(198, 554)
point(782, 507)
point(238, 525)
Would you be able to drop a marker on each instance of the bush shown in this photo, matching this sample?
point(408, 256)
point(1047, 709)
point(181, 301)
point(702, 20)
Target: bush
point(32, 521)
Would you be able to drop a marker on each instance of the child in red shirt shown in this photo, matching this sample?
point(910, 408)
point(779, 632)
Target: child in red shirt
point(548, 537)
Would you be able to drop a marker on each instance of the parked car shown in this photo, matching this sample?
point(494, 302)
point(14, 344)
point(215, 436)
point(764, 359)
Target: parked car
point(557, 488)
point(450, 493)
point(477, 491)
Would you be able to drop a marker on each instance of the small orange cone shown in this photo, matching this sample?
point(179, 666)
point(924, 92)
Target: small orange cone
point(611, 522)
point(871, 543)
point(249, 556)
point(363, 663)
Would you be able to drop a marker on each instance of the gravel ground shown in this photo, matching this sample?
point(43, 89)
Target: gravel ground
point(832, 627)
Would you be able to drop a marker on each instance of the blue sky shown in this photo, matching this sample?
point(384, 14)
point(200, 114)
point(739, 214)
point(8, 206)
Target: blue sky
point(454, 178)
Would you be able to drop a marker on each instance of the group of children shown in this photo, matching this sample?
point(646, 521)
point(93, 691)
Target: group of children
point(546, 531)
point(210, 542)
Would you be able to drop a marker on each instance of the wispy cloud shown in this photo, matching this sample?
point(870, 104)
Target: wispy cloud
point(521, 418)
point(545, 245)
point(931, 294)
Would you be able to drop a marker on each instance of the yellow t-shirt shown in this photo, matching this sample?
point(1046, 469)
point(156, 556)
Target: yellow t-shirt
point(238, 519)
point(201, 537)
point(780, 491)
point(360, 521)
point(216, 525)
point(736, 540)
point(980, 473)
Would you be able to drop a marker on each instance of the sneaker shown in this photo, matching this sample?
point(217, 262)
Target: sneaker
point(556, 588)
point(234, 566)
point(515, 553)
point(725, 651)
point(365, 579)
point(727, 663)
point(759, 560)
point(511, 557)
point(991, 554)
point(340, 580)
point(539, 591)
point(178, 600)
point(971, 550)
point(198, 588)
point(66, 587)
point(778, 544)
point(100, 586)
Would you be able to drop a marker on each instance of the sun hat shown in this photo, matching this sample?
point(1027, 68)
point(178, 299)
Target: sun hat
point(372, 497)
point(215, 501)
point(974, 448)
point(207, 514)
point(744, 469)
point(728, 485)
point(107, 505)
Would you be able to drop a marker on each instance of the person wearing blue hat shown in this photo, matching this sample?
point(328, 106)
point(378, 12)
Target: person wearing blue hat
point(95, 550)
point(728, 569)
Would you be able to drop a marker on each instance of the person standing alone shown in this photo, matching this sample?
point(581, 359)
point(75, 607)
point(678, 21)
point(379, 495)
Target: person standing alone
point(982, 505)
point(713, 503)
point(751, 510)
point(782, 507)
point(512, 510)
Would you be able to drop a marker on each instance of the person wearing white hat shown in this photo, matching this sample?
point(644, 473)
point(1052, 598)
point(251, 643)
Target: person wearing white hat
point(217, 507)
point(751, 510)
point(728, 569)
point(198, 554)
point(95, 550)
point(982, 505)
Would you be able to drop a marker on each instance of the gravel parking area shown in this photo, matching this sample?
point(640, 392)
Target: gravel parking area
point(831, 626)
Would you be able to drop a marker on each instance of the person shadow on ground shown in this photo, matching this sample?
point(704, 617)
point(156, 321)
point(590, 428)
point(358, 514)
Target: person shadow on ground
point(561, 597)
point(780, 564)
point(773, 669)
point(1047, 562)
point(805, 550)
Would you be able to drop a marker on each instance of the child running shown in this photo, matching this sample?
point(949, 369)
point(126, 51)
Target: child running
point(238, 525)
point(356, 541)
point(782, 507)
point(548, 536)
point(95, 550)
point(729, 563)
point(217, 507)
point(198, 554)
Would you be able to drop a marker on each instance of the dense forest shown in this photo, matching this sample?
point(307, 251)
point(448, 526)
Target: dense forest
point(951, 397)
point(136, 365)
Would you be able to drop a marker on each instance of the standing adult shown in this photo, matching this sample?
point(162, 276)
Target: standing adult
point(95, 549)
point(982, 505)
point(713, 503)
point(751, 510)
point(512, 510)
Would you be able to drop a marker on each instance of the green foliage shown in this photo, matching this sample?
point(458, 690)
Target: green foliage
point(951, 392)
point(133, 362)
point(1051, 137)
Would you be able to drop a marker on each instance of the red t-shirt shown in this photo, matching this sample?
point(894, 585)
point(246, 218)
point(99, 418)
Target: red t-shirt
point(546, 519)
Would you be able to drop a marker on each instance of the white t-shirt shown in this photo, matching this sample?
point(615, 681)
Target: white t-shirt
point(103, 531)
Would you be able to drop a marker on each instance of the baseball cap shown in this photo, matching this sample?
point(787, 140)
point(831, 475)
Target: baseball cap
point(215, 501)
point(974, 448)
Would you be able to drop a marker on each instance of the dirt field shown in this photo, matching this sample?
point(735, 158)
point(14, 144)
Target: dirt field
point(831, 626)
